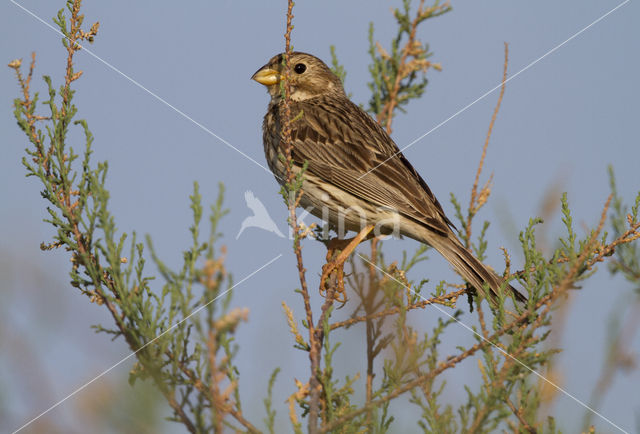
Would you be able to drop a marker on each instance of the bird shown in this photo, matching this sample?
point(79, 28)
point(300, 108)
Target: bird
point(353, 164)
point(260, 218)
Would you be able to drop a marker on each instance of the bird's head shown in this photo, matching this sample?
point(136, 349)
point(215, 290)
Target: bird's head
point(310, 77)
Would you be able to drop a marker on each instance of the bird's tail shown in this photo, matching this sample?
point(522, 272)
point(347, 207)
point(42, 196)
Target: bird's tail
point(470, 268)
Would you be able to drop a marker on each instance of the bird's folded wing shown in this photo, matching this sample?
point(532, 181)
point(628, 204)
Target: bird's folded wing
point(341, 155)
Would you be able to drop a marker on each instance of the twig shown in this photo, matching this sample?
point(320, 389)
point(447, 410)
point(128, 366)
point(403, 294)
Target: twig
point(477, 200)
point(518, 413)
point(601, 251)
point(217, 403)
point(405, 67)
point(451, 362)
point(204, 390)
point(368, 305)
point(62, 192)
point(520, 321)
point(443, 299)
point(315, 346)
point(494, 387)
point(386, 115)
point(483, 325)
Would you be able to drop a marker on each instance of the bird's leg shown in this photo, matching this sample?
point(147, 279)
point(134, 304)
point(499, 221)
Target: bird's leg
point(346, 247)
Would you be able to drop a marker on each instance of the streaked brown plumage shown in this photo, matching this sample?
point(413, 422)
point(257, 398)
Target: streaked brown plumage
point(341, 143)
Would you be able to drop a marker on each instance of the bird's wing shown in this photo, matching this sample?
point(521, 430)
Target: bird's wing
point(342, 143)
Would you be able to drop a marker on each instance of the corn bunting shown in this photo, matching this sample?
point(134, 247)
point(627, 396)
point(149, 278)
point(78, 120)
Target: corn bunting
point(341, 143)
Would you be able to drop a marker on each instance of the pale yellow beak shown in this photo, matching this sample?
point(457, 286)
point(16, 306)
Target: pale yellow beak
point(266, 76)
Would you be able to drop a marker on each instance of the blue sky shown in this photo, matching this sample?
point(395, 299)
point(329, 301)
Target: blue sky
point(562, 122)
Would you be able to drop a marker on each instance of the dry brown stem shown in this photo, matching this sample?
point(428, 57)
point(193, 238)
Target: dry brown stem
point(221, 402)
point(410, 62)
point(447, 300)
point(542, 309)
point(64, 193)
point(370, 306)
point(478, 199)
point(518, 413)
point(27, 102)
point(204, 389)
point(218, 403)
point(315, 344)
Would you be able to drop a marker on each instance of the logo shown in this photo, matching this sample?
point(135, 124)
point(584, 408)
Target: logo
point(260, 218)
point(387, 220)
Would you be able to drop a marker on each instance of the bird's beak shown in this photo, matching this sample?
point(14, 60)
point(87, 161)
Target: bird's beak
point(266, 76)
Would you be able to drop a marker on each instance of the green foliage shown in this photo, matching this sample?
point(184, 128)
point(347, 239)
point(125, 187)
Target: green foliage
point(336, 67)
point(399, 76)
point(190, 358)
point(269, 421)
point(179, 356)
point(627, 259)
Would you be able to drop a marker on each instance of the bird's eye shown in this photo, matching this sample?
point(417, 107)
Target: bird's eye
point(300, 68)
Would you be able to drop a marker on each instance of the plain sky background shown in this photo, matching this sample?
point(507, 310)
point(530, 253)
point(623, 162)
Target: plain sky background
point(562, 122)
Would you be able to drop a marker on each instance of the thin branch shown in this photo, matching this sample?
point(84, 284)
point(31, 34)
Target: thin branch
point(477, 200)
point(204, 389)
point(386, 115)
point(315, 345)
point(412, 59)
point(446, 300)
point(521, 321)
point(518, 413)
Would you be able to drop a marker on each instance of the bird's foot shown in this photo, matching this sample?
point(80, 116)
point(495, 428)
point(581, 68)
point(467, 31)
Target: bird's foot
point(333, 270)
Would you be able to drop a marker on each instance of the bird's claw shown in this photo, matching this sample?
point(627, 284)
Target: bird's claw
point(335, 269)
point(335, 266)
